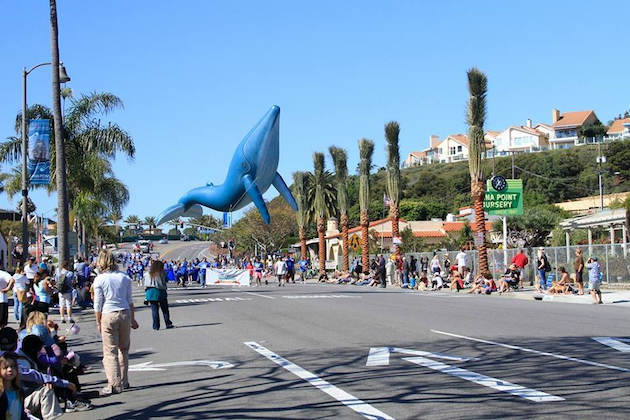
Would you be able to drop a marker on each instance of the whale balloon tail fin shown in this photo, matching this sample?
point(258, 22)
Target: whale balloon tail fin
point(178, 210)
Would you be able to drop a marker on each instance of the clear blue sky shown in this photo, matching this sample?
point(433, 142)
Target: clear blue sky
point(196, 75)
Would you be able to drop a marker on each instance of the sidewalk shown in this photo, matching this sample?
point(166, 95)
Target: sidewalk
point(609, 297)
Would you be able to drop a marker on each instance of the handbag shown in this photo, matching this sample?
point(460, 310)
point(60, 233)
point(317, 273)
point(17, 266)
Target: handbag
point(152, 294)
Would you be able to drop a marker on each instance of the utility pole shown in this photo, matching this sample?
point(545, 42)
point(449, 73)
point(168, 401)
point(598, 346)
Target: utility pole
point(600, 159)
point(513, 172)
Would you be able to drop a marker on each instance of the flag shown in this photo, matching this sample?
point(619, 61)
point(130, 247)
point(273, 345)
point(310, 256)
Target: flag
point(39, 152)
point(386, 201)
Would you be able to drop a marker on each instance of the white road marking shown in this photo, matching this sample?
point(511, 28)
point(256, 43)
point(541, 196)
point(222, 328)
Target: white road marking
point(379, 356)
point(227, 299)
point(542, 353)
point(321, 297)
point(150, 366)
point(498, 384)
point(361, 407)
point(258, 294)
point(614, 342)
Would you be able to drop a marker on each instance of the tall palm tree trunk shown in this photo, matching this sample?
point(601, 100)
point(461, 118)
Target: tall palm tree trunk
point(63, 216)
point(478, 193)
point(345, 265)
point(365, 241)
point(84, 240)
point(302, 233)
point(394, 215)
point(321, 228)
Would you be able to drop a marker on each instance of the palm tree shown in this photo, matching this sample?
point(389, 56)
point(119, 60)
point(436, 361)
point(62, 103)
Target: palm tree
point(63, 205)
point(340, 160)
point(150, 221)
point(319, 205)
point(299, 193)
point(90, 148)
point(476, 117)
point(366, 149)
point(133, 219)
point(392, 131)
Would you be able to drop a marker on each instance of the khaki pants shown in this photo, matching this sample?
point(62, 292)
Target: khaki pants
point(116, 334)
point(43, 404)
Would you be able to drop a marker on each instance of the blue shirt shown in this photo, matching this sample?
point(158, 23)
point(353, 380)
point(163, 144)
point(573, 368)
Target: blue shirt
point(290, 263)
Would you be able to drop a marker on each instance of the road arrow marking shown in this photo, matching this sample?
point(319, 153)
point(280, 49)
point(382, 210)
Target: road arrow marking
point(542, 353)
point(379, 356)
point(150, 366)
point(616, 343)
point(487, 381)
point(361, 407)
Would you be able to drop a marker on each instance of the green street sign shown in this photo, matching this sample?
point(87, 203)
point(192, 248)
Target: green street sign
point(509, 201)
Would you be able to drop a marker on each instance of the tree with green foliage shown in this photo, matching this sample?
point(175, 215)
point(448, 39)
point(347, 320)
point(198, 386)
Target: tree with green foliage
point(476, 117)
point(392, 133)
point(340, 160)
point(532, 228)
point(319, 186)
point(366, 150)
point(410, 243)
point(300, 186)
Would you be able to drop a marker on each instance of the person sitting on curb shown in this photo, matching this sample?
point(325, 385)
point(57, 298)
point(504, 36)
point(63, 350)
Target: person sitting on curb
point(511, 278)
point(561, 287)
point(37, 387)
point(457, 283)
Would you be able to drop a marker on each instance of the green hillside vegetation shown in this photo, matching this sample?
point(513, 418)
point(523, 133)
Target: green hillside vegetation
point(434, 190)
point(550, 177)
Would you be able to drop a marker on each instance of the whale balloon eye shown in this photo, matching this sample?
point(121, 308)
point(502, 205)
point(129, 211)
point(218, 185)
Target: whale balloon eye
point(244, 165)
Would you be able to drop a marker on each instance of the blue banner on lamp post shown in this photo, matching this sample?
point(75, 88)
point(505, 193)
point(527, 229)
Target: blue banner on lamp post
point(39, 152)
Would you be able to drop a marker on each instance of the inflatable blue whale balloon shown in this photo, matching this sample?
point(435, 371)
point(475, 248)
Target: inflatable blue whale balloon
point(252, 171)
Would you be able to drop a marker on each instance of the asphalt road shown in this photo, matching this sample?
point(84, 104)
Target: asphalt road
point(322, 351)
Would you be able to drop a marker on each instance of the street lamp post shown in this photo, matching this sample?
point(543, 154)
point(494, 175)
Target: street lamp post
point(63, 78)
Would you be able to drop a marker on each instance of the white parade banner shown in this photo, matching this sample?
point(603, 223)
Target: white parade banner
point(230, 276)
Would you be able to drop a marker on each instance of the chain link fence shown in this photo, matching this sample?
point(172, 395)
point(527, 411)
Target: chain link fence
point(613, 260)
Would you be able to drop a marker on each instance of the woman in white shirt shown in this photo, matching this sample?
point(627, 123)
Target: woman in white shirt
point(114, 311)
point(19, 283)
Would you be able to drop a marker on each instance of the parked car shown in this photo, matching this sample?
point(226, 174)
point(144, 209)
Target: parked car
point(163, 241)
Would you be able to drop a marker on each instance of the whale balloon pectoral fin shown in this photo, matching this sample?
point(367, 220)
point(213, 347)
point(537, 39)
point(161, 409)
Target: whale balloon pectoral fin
point(195, 211)
point(254, 193)
point(173, 212)
point(284, 191)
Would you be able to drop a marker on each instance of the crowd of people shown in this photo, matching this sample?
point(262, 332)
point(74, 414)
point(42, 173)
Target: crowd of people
point(440, 272)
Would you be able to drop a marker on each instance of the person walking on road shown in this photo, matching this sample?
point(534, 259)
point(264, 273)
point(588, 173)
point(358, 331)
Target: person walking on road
point(115, 317)
point(520, 260)
point(578, 265)
point(594, 280)
point(435, 264)
point(381, 270)
point(155, 283)
point(281, 271)
point(65, 285)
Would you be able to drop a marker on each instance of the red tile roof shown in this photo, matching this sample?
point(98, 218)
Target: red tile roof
point(572, 119)
point(617, 126)
point(460, 138)
point(457, 226)
point(429, 234)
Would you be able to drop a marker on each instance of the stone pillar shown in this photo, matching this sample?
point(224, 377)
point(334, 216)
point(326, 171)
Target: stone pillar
point(567, 238)
point(612, 239)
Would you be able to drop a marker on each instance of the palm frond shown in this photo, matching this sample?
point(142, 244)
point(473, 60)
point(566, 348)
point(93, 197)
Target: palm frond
point(340, 160)
point(475, 117)
point(299, 193)
point(107, 141)
point(392, 133)
point(11, 150)
point(366, 150)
